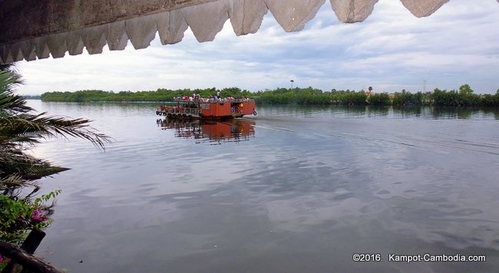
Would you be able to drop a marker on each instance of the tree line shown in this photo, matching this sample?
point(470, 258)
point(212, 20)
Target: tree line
point(160, 95)
point(465, 96)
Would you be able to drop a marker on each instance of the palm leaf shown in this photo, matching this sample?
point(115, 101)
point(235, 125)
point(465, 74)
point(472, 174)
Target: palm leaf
point(25, 166)
point(20, 127)
point(9, 102)
point(27, 128)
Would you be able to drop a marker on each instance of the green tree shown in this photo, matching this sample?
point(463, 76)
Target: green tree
point(466, 96)
point(465, 90)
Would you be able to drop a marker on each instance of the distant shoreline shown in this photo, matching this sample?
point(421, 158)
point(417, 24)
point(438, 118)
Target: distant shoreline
point(464, 97)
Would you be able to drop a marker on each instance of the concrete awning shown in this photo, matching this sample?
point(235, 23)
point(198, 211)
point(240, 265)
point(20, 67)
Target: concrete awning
point(38, 29)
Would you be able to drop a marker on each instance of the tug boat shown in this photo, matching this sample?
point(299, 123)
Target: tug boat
point(208, 109)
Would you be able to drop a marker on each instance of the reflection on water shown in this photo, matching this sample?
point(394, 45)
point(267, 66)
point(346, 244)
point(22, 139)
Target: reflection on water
point(447, 112)
point(455, 112)
point(312, 187)
point(425, 112)
point(234, 130)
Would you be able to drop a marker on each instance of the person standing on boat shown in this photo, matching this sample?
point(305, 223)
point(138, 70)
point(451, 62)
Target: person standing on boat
point(218, 95)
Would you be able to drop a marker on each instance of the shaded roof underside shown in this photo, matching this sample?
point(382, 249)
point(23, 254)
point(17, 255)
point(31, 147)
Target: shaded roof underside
point(38, 29)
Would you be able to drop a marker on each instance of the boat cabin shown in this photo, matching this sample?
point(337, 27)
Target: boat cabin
point(215, 109)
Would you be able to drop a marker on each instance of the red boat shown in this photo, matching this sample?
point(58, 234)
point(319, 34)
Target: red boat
point(214, 109)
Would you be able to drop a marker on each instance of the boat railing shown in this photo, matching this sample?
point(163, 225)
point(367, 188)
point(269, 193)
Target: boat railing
point(179, 110)
point(183, 101)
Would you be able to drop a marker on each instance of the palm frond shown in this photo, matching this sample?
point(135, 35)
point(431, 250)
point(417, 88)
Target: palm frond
point(25, 166)
point(11, 184)
point(20, 127)
point(9, 102)
point(27, 128)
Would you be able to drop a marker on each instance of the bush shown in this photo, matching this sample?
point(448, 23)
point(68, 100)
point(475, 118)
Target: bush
point(19, 216)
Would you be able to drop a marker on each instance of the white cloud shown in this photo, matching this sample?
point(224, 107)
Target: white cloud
point(391, 50)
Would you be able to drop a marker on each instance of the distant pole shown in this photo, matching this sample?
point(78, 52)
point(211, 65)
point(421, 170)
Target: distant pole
point(292, 81)
point(424, 86)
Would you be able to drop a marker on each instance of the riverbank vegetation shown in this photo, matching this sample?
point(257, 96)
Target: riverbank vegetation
point(465, 96)
point(20, 130)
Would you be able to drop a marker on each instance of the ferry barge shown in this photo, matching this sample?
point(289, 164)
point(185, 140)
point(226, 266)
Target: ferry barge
point(208, 109)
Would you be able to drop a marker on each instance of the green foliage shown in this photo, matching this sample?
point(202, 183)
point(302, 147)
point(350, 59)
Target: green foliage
point(298, 96)
point(463, 97)
point(488, 100)
point(353, 98)
point(19, 216)
point(408, 99)
point(160, 95)
point(379, 99)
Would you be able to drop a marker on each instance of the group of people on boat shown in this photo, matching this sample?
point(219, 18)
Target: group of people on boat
point(194, 97)
point(217, 98)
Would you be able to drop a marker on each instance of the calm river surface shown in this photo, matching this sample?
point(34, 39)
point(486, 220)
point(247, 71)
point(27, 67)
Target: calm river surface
point(291, 190)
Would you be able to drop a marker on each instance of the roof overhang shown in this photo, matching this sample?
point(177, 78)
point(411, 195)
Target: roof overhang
point(34, 29)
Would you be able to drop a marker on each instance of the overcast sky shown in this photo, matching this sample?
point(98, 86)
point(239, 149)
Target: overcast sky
point(390, 51)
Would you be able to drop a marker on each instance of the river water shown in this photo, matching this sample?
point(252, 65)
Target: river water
point(290, 190)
